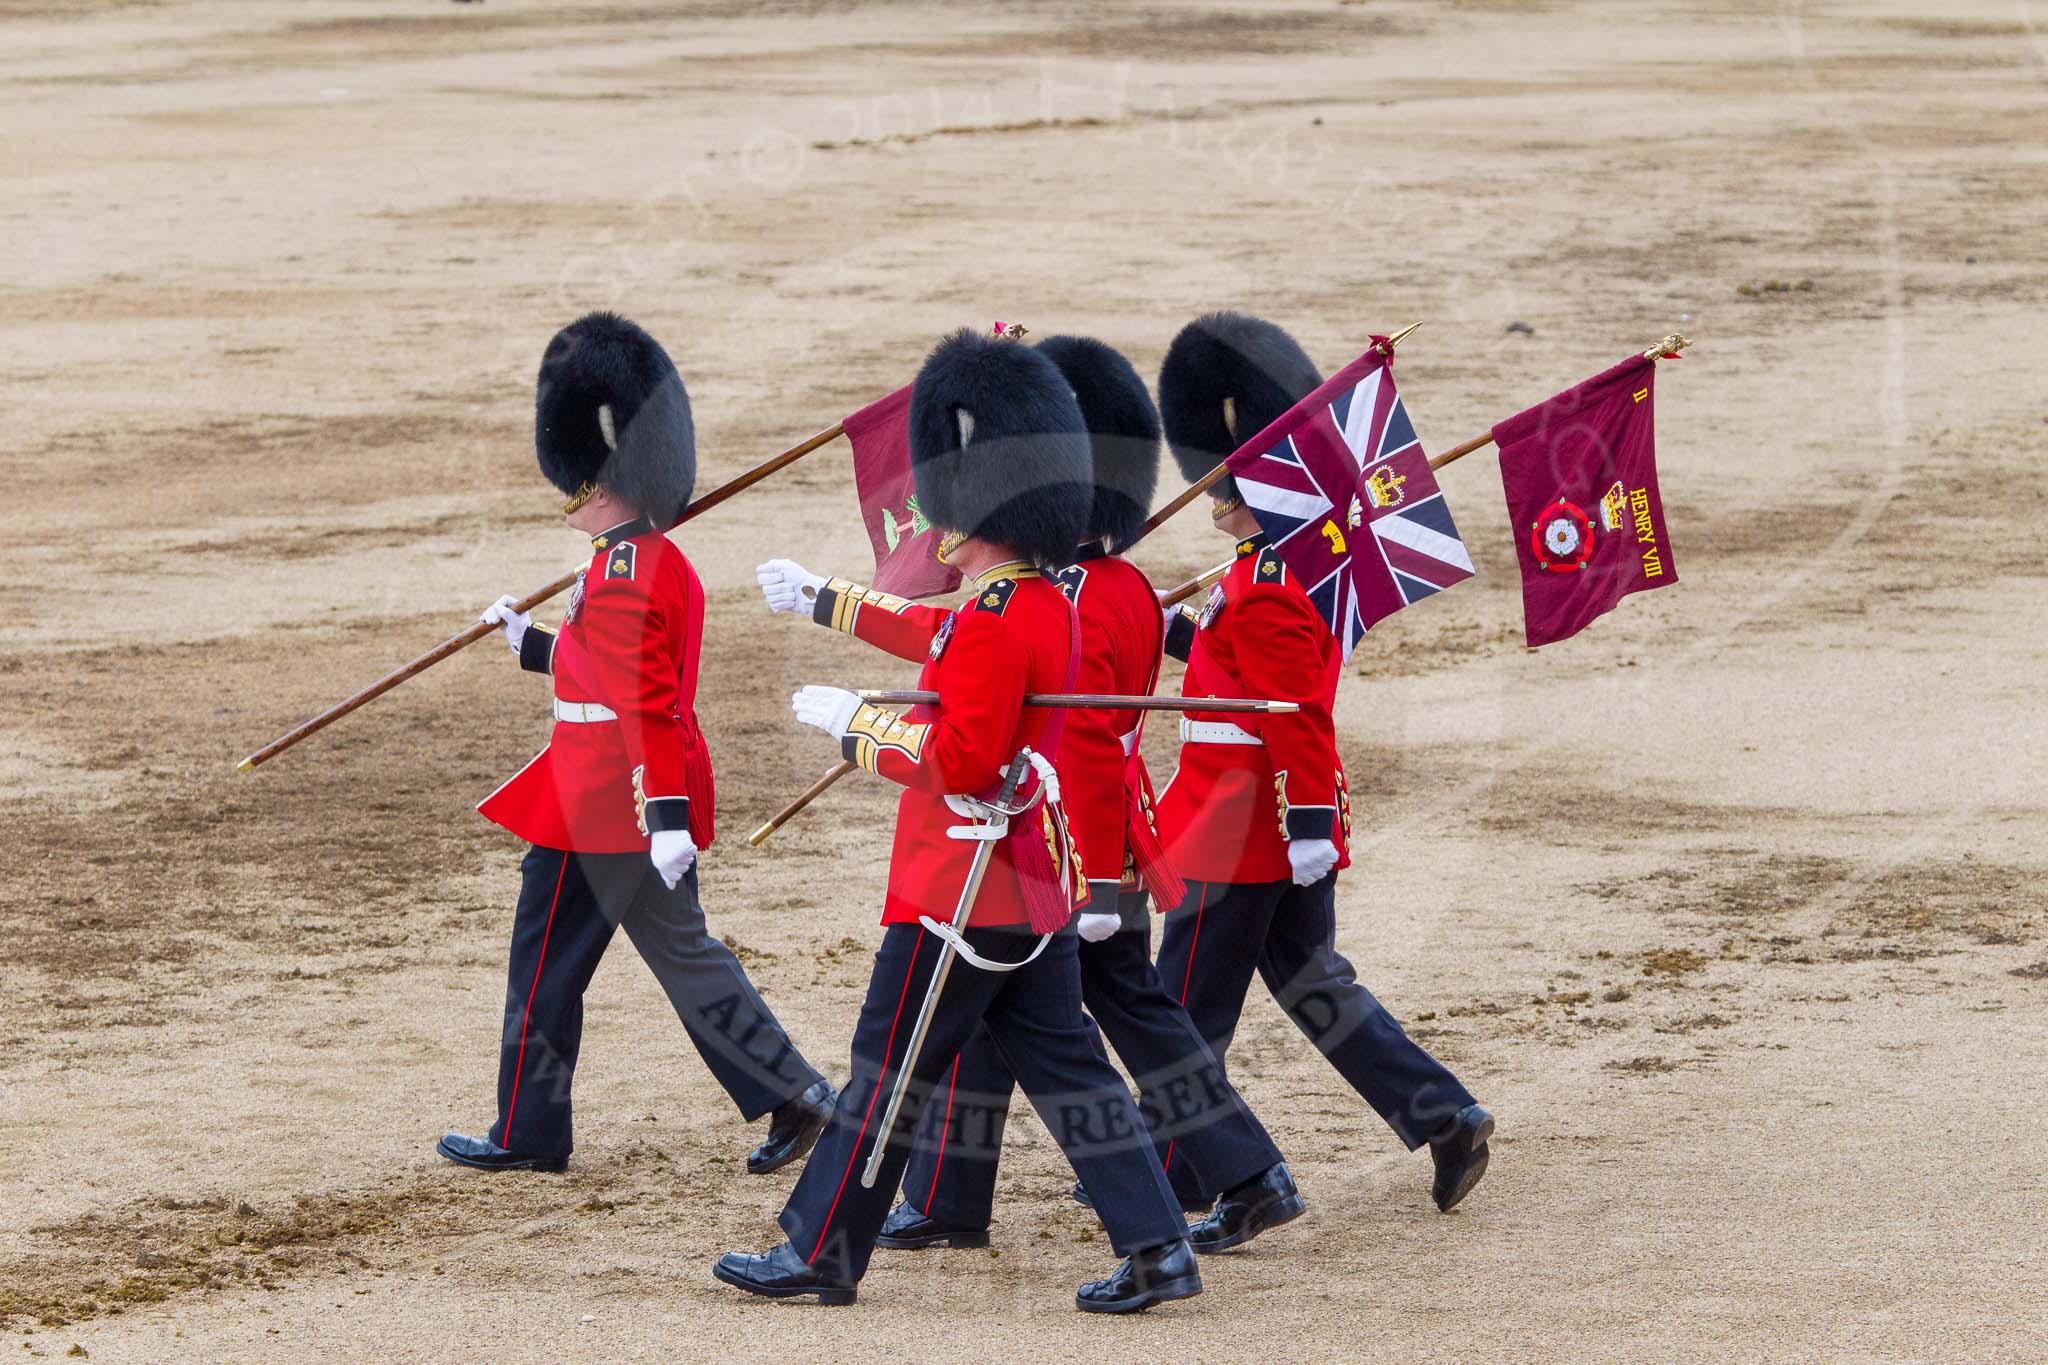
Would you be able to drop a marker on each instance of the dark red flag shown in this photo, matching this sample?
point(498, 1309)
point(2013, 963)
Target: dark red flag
point(906, 545)
point(1580, 472)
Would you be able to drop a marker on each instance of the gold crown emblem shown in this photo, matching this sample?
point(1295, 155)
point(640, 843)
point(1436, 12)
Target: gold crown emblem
point(1613, 505)
point(1383, 486)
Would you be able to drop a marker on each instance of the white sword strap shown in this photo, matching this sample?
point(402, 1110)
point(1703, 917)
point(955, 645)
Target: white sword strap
point(953, 936)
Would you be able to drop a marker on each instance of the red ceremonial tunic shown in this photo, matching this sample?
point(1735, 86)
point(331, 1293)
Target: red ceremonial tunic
point(1228, 811)
point(1015, 635)
point(628, 645)
point(1103, 781)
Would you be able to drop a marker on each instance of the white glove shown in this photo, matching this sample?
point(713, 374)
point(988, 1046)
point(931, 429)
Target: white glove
point(828, 708)
point(788, 585)
point(512, 622)
point(1311, 859)
point(1096, 928)
point(672, 851)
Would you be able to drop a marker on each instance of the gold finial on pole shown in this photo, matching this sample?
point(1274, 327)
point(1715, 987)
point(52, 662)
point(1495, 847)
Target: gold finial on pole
point(1387, 347)
point(1668, 348)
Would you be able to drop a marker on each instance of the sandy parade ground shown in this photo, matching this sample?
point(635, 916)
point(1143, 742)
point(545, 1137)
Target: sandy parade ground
point(1730, 908)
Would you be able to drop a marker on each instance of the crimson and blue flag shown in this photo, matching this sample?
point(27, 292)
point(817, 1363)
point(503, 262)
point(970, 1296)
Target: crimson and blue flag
point(1346, 497)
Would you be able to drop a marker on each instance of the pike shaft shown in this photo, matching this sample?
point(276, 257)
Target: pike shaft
point(455, 644)
point(1102, 701)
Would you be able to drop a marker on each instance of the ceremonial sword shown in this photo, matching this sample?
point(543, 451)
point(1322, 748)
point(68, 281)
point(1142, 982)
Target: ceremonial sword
point(961, 913)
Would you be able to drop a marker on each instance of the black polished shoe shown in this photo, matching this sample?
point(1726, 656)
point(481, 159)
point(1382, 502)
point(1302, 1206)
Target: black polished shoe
point(780, 1274)
point(793, 1129)
point(905, 1229)
point(1087, 1201)
point(1265, 1201)
point(1154, 1275)
point(486, 1155)
point(1461, 1156)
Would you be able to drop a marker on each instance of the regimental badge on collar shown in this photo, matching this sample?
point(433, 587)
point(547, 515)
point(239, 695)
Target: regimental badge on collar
point(996, 596)
point(1210, 606)
point(939, 640)
point(575, 599)
point(1071, 580)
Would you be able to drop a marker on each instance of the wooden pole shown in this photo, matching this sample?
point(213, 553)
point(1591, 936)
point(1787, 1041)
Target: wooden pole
point(1667, 349)
point(1484, 438)
point(1195, 584)
point(810, 794)
point(1186, 496)
point(455, 644)
point(1100, 701)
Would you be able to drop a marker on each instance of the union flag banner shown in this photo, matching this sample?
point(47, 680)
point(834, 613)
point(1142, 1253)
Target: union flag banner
point(1342, 490)
point(906, 545)
point(1580, 472)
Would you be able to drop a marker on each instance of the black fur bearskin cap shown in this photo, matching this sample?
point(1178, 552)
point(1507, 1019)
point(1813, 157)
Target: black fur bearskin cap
point(1123, 431)
point(1251, 363)
point(998, 449)
point(610, 409)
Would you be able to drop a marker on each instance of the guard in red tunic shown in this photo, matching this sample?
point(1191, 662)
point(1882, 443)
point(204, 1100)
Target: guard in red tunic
point(1001, 461)
point(1257, 813)
point(620, 803)
point(1202, 1128)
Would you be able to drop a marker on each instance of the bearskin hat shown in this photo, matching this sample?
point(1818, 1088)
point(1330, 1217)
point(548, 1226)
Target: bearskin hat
point(998, 449)
point(1248, 362)
point(1123, 431)
point(610, 409)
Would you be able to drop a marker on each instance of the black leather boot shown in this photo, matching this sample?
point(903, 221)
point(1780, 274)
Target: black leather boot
point(1461, 1155)
point(906, 1229)
point(780, 1274)
point(486, 1155)
point(793, 1129)
point(1265, 1201)
point(1154, 1275)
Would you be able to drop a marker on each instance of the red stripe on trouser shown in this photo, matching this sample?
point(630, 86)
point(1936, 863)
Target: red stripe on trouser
point(861, 1136)
point(1185, 977)
point(945, 1128)
point(519, 1066)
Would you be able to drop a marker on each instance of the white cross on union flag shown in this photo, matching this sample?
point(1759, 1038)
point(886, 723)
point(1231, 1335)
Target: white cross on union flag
point(1344, 493)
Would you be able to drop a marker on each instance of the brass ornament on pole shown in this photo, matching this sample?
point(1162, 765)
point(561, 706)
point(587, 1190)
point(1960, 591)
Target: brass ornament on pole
point(1667, 349)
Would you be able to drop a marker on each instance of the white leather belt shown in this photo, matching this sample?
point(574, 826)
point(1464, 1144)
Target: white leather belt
point(1215, 732)
point(583, 712)
point(1130, 743)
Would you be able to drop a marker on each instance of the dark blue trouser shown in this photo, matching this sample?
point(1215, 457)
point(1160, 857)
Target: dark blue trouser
point(569, 906)
point(1034, 1017)
point(1223, 932)
point(1183, 1095)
